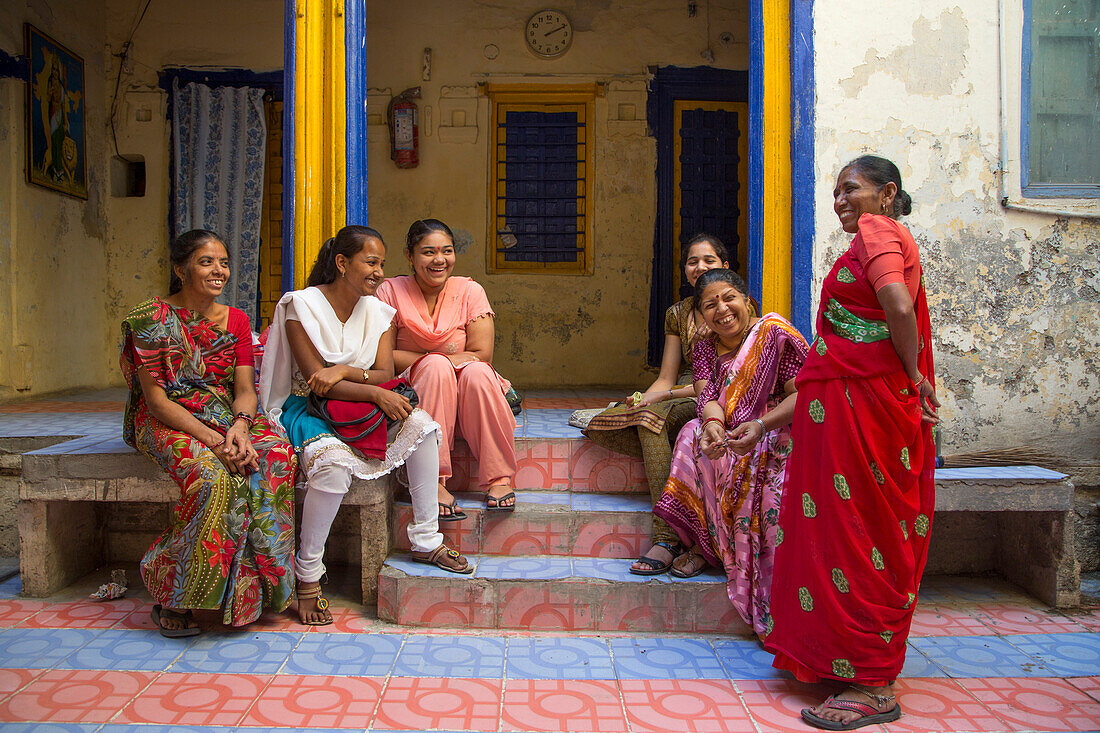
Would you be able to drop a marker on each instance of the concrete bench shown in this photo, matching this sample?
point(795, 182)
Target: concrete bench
point(82, 507)
point(1014, 520)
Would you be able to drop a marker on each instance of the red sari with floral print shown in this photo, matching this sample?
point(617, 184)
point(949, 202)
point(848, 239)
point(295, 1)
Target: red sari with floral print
point(857, 506)
point(231, 541)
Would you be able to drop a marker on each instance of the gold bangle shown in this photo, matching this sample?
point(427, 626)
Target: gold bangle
point(366, 377)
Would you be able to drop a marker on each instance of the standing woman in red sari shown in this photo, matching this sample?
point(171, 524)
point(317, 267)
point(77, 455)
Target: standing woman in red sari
point(857, 506)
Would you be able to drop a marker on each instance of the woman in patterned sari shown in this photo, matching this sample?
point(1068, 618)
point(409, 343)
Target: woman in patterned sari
point(722, 498)
point(192, 409)
point(860, 488)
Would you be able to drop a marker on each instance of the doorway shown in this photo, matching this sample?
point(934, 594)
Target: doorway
point(700, 117)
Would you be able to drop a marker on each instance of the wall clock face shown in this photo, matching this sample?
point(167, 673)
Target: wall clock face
point(549, 33)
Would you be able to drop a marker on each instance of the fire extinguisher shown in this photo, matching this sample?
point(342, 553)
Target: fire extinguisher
point(402, 116)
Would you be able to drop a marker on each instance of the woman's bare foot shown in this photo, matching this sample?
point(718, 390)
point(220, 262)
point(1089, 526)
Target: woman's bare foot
point(880, 698)
point(312, 605)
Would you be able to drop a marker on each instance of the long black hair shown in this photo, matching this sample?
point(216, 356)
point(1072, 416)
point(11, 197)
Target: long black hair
point(880, 171)
point(422, 228)
point(348, 242)
point(181, 249)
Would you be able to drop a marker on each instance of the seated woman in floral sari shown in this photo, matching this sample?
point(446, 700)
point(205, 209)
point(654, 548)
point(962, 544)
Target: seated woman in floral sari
point(192, 409)
point(728, 466)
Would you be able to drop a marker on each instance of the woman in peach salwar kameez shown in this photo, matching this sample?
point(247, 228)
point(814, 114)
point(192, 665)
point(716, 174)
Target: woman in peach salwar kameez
point(445, 348)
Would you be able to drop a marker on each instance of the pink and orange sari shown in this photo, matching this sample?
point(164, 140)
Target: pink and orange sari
point(729, 507)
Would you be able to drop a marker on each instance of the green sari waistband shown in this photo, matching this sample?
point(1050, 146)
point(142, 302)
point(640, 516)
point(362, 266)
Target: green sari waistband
point(850, 326)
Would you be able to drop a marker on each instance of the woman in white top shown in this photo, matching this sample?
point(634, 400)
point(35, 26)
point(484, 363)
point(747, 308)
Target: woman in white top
point(334, 338)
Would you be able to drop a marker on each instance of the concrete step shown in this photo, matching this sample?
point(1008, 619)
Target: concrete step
point(560, 523)
point(572, 463)
point(553, 593)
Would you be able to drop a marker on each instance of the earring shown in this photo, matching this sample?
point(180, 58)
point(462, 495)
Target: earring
point(883, 207)
point(343, 274)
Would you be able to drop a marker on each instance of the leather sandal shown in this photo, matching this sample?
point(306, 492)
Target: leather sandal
point(322, 604)
point(444, 558)
point(656, 567)
point(868, 714)
point(689, 564)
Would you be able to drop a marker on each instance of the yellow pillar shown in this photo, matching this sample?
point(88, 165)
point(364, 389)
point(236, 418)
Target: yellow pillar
point(777, 157)
point(319, 130)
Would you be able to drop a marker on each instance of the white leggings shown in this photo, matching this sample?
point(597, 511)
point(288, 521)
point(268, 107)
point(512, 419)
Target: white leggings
point(326, 489)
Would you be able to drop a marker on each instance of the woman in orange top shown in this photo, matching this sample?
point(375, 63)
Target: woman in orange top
point(445, 348)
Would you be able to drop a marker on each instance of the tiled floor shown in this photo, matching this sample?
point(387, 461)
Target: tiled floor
point(69, 664)
point(982, 655)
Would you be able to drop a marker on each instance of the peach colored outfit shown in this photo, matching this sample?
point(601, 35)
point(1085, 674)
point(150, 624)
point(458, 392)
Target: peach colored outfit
point(472, 392)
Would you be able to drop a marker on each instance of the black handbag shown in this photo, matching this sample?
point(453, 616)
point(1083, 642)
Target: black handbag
point(365, 417)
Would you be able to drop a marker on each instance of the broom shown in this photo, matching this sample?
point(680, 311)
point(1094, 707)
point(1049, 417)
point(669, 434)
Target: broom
point(999, 457)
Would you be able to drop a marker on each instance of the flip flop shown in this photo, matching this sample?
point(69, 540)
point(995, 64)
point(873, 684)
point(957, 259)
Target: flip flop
point(159, 612)
point(498, 499)
point(435, 557)
point(456, 515)
point(869, 714)
point(656, 567)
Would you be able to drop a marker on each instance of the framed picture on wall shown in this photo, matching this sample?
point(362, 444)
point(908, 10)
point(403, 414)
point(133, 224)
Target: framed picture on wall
point(55, 115)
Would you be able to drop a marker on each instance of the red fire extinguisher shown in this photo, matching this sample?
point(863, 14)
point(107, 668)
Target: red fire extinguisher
point(402, 116)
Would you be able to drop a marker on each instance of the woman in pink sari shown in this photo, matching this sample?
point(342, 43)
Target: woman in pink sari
point(445, 348)
point(728, 465)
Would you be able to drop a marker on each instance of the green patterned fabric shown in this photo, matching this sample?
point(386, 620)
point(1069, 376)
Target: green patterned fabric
point(852, 327)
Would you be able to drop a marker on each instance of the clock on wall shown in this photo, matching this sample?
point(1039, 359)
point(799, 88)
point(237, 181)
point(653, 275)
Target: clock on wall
point(549, 33)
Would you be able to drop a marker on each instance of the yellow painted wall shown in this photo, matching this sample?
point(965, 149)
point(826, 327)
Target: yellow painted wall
point(70, 269)
point(52, 246)
point(107, 254)
point(551, 329)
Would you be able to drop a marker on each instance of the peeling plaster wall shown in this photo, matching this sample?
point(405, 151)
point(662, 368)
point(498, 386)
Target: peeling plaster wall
point(1014, 296)
point(52, 246)
point(552, 330)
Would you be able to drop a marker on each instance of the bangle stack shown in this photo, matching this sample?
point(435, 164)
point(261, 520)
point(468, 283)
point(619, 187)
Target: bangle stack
point(713, 419)
point(920, 381)
point(248, 419)
point(762, 425)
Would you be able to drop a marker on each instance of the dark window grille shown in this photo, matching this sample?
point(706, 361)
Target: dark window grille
point(540, 186)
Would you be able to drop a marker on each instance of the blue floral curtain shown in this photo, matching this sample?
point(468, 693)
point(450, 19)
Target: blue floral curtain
point(218, 150)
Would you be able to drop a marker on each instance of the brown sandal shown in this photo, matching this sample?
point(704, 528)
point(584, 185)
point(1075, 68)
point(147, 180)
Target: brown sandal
point(689, 564)
point(322, 605)
point(444, 558)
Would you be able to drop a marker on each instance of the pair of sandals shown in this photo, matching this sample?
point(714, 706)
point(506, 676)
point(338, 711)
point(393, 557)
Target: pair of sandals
point(684, 563)
point(497, 505)
point(868, 714)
